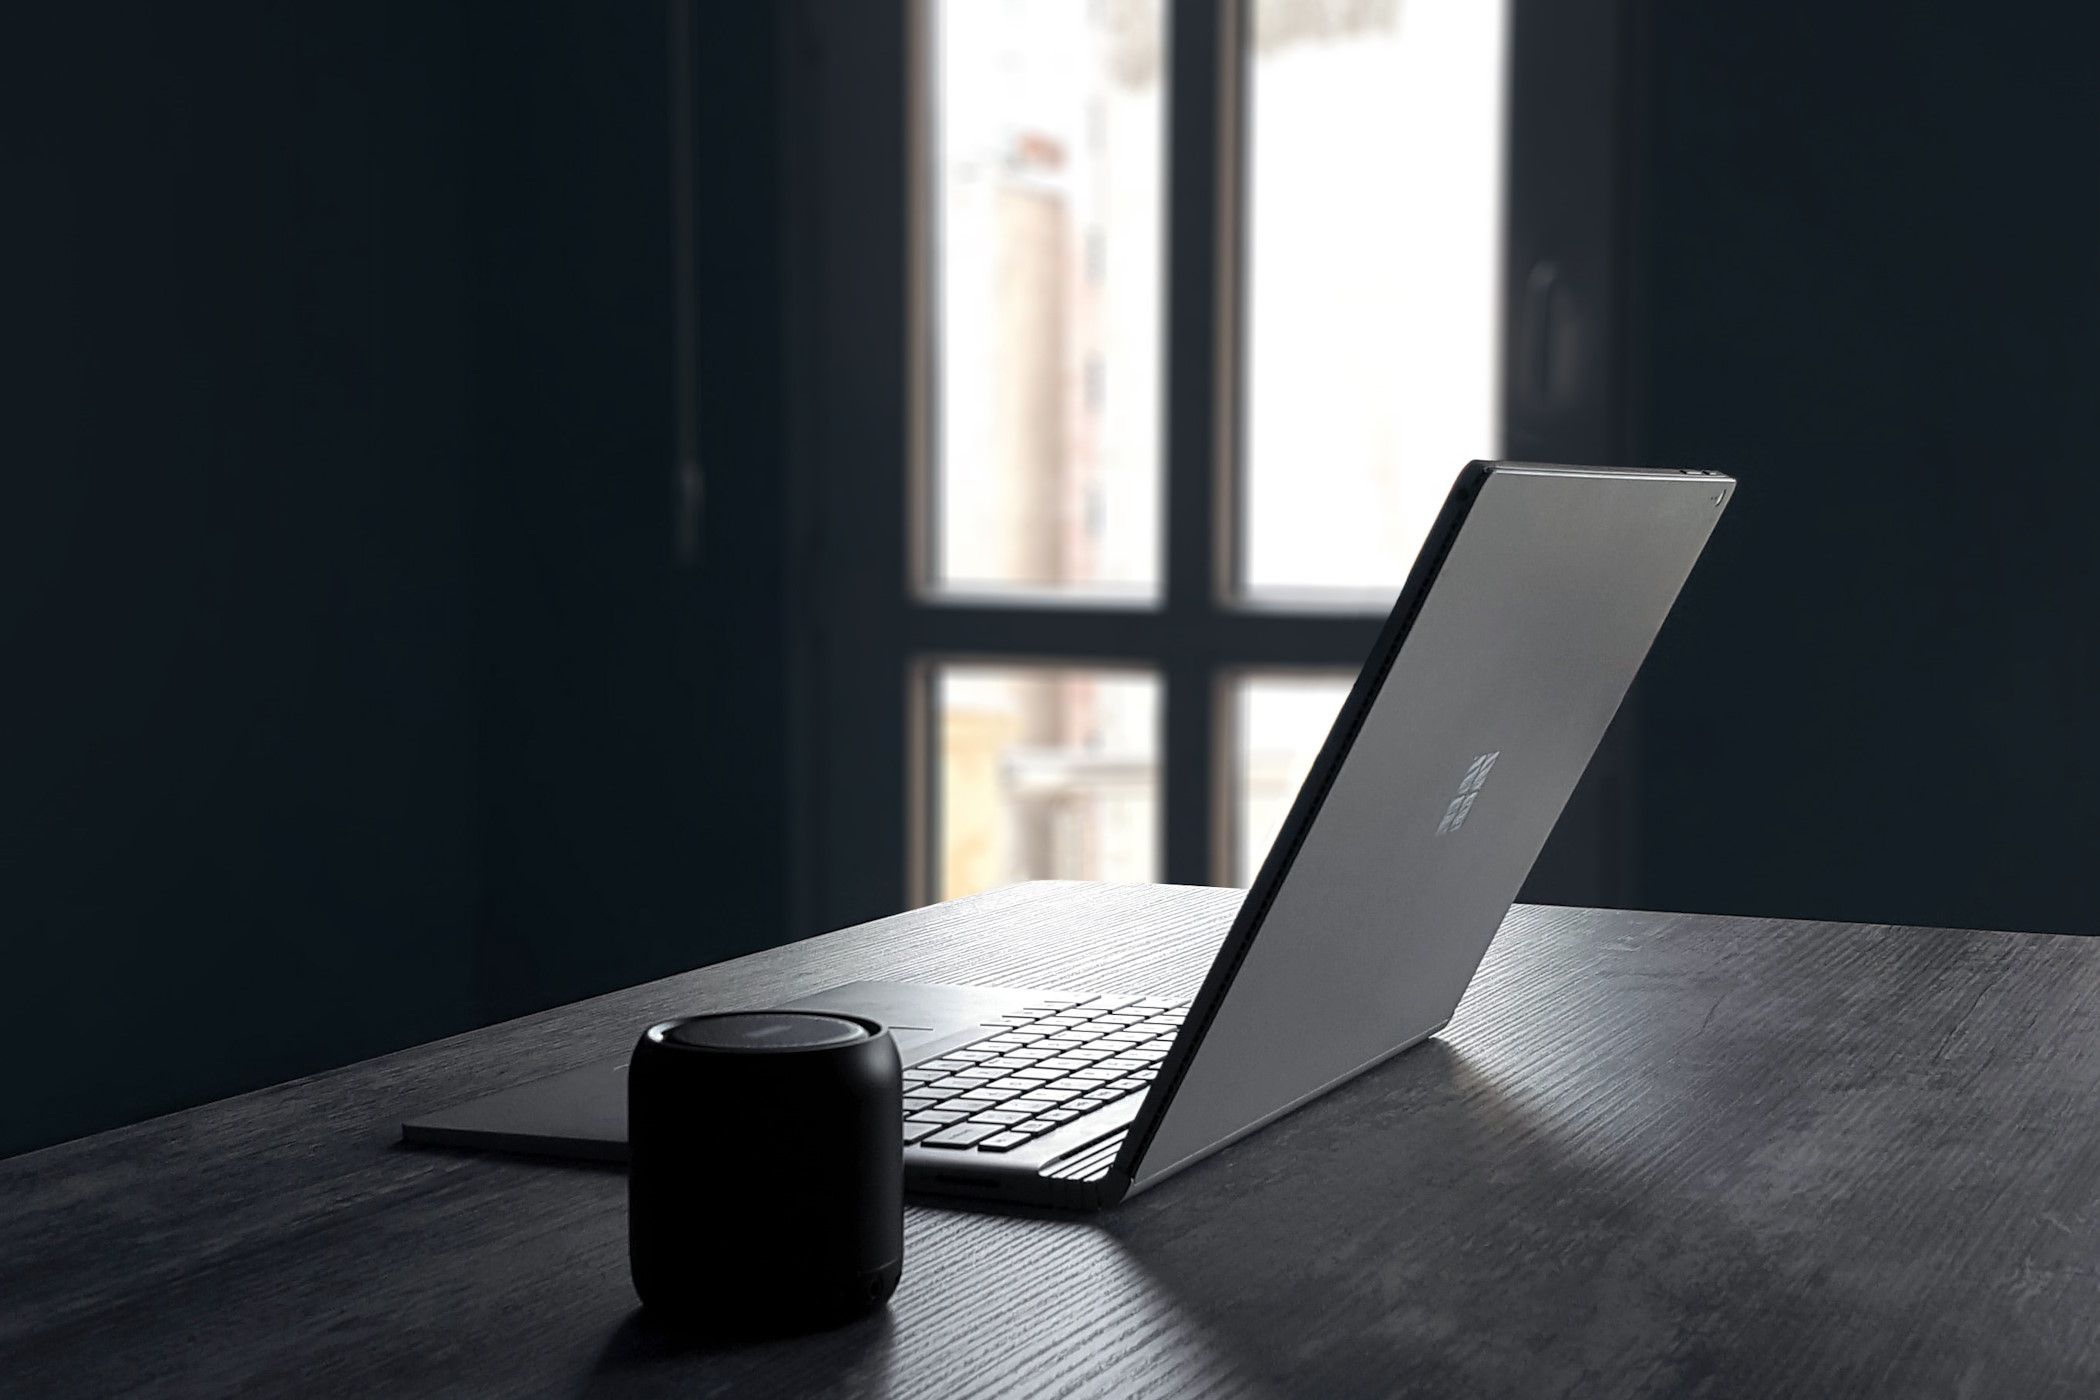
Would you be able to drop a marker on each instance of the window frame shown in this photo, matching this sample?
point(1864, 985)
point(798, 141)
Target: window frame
point(864, 632)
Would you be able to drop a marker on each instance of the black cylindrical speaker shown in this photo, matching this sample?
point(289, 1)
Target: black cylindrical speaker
point(766, 1170)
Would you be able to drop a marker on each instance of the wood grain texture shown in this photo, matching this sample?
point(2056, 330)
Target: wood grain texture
point(1654, 1154)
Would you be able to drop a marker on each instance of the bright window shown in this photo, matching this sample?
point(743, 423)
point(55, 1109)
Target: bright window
point(1344, 361)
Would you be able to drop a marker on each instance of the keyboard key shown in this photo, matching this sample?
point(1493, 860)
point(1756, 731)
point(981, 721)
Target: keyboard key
point(1033, 1126)
point(1031, 1103)
point(1004, 1117)
point(962, 1135)
point(940, 1115)
point(1060, 1115)
point(914, 1102)
point(1003, 1142)
point(916, 1128)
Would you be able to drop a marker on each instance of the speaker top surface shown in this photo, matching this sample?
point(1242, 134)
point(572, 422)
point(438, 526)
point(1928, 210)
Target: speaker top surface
point(763, 1030)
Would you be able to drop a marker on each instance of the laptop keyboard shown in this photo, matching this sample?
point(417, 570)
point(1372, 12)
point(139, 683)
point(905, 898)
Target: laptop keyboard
point(1038, 1070)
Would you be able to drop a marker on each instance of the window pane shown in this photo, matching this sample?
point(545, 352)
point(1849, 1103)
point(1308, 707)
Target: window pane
point(1048, 128)
point(1374, 246)
point(1280, 721)
point(1044, 773)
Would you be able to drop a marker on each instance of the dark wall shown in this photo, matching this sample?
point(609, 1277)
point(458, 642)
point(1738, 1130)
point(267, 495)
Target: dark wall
point(357, 694)
point(239, 812)
point(1868, 286)
point(630, 693)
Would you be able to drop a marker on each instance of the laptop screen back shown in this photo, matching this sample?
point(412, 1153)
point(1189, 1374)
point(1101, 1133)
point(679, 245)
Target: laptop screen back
point(1535, 601)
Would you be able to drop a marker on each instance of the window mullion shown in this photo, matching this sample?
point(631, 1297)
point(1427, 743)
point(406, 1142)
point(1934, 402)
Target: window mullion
point(1205, 155)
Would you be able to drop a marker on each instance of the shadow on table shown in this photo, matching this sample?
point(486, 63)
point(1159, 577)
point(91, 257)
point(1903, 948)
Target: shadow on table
point(643, 1357)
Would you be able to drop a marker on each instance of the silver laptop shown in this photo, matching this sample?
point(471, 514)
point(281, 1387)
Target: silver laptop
point(1530, 608)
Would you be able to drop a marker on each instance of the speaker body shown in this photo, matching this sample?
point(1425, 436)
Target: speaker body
point(766, 1170)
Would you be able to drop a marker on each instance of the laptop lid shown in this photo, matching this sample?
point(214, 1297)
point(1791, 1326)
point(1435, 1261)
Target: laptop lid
point(1531, 606)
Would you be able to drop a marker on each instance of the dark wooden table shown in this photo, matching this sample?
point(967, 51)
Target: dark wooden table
point(1654, 1154)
